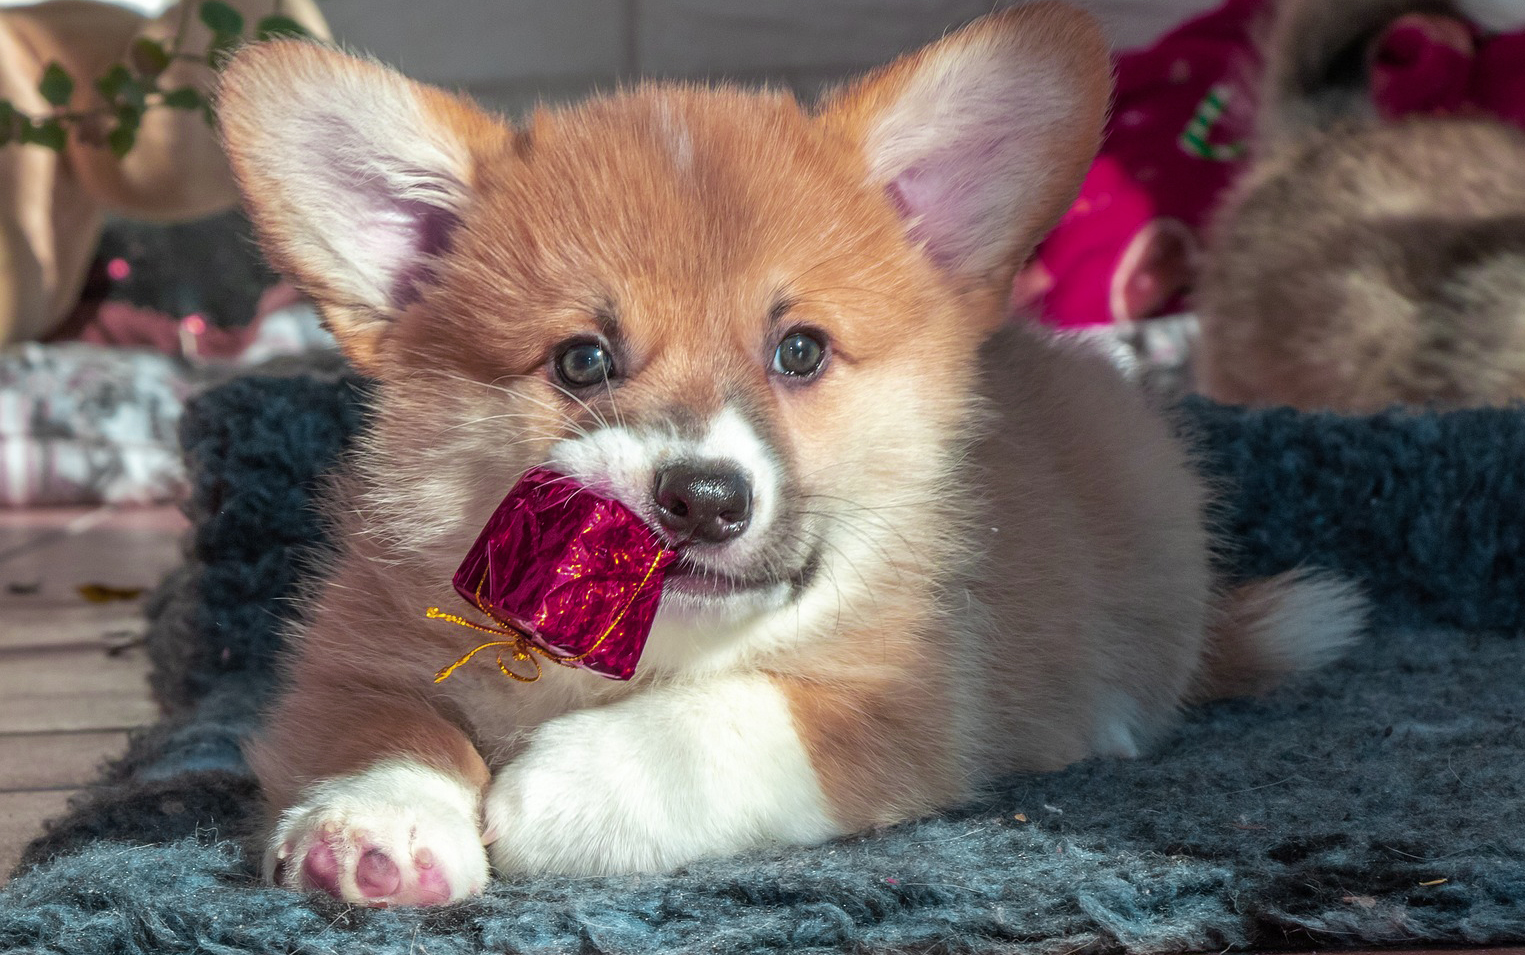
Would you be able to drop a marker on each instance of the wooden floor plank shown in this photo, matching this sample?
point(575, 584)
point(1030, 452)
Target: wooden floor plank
point(69, 690)
point(22, 529)
point(18, 522)
point(56, 760)
point(46, 674)
point(21, 817)
point(21, 524)
point(46, 554)
point(53, 572)
point(114, 711)
point(81, 625)
point(65, 703)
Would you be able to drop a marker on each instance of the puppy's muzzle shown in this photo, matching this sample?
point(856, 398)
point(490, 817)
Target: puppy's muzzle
point(703, 503)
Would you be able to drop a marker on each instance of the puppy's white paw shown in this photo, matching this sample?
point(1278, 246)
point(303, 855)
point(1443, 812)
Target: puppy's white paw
point(564, 816)
point(399, 833)
point(655, 782)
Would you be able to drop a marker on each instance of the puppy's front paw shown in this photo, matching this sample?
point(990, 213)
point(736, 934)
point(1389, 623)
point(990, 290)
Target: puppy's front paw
point(657, 781)
point(397, 834)
point(564, 816)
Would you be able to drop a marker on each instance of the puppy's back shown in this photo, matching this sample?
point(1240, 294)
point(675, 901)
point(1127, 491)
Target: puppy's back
point(1099, 608)
point(1095, 576)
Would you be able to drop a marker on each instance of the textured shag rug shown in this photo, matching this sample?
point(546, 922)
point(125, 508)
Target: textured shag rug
point(1380, 801)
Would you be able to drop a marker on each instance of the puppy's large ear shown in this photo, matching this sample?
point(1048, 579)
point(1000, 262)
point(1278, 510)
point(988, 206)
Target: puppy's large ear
point(355, 176)
point(981, 139)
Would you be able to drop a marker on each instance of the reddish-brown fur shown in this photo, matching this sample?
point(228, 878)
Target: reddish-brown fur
point(546, 251)
point(1018, 559)
point(320, 733)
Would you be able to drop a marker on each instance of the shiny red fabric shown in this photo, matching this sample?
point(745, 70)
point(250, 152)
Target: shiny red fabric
point(581, 574)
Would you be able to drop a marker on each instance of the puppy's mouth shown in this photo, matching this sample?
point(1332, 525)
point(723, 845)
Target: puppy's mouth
point(694, 580)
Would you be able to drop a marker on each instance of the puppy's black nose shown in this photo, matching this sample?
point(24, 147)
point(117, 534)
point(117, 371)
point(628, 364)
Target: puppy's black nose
point(704, 502)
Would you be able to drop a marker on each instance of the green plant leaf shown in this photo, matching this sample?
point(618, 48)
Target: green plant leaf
point(110, 83)
point(148, 57)
point(49, 133)
point(186, 97)
point(129, 117)
point(277, 25)
point(56, 86)
point(118, 86)
point(121, 139)
point(133, 94)
point(221, 18)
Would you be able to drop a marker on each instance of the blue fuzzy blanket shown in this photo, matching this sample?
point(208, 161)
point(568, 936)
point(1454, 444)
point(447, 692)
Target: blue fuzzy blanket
point(1379, 801)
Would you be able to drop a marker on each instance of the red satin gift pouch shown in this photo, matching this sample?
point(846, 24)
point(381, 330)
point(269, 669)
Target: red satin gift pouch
point(569, 575)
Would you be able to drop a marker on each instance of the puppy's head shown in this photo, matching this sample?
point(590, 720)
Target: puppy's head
point(756, 324)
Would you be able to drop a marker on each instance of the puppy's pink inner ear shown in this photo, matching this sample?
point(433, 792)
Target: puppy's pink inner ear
point(950, 200)
point(405, 236)
point(387, 215)
point(961, 200)
point(980, 140)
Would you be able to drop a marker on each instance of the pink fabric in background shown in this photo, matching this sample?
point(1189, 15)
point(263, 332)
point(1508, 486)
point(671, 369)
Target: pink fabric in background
point(1149, 180)
point(120, 325)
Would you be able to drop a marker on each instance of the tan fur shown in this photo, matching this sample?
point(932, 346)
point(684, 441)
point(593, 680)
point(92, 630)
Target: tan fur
point(884, 739)
point(1359, 263)
point(1239, 660)
point(1015, 571)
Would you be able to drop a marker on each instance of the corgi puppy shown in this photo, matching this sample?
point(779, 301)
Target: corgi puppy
point(1363, 262)
point(923, 549)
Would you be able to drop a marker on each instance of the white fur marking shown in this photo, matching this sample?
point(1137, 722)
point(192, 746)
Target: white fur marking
point(680, 143)
point(650, 783)
point(731, 437)
point(1313, 620)
point(624, 463)
point(398, 806)
point(1117, 720)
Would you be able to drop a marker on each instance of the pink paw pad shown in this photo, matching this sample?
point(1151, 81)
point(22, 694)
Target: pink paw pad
point(335, 864)
point(320, 868)
point(376, 875)
point(432, 887)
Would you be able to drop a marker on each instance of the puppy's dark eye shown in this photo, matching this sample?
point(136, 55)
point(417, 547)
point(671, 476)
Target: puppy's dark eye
point(583, 363)
point(800, 354)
